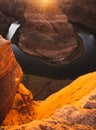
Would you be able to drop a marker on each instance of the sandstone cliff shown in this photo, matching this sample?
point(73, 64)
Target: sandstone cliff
point(10, 75)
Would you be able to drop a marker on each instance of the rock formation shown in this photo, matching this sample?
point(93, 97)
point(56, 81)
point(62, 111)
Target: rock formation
point(51, 36)
point(57, 33)
point(51, 39)
point(22, 109)
point(72, 107)
point(10, 75)
point(57, 51)
point(71, 94)
point(80, 11)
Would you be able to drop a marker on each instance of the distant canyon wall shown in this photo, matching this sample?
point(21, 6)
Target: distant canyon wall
point(81, 11)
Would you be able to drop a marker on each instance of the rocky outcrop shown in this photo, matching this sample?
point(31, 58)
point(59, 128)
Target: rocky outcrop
point(69, 109)
point(78, 119)
point(51, 39)
point(22, 109)
point(10, 75)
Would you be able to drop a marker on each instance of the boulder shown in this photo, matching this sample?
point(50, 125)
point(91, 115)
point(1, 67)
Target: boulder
point(10, 75)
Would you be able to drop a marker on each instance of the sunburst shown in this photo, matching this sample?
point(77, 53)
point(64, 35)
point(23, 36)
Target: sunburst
point(47, 7)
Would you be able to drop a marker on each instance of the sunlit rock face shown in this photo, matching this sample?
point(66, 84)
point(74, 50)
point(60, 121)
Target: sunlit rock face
point(70, 95)
point(78, 120)
point(72, 108)
point(22, 109)
point(10, 75)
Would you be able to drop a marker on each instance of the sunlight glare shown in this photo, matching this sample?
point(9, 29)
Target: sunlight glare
point(46, 2)
point(48, 6)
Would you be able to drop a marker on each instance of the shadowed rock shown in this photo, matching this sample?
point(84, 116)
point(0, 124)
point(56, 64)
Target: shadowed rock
point(13, 8)
point(80, 11)
point(4, 23)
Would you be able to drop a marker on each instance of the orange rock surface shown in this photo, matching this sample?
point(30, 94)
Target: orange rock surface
point(21, 111)
point(71, 108)
point(70, 95)
point(10, 75)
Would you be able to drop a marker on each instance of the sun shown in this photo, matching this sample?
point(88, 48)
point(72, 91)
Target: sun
point(47, 7)
point(46, 2)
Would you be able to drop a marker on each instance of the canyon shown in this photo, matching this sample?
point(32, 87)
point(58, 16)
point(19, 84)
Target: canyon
point(73, 107)
point(50, 36)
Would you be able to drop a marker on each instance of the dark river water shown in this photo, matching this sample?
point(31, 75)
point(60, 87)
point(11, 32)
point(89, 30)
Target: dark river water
point(32, 65)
